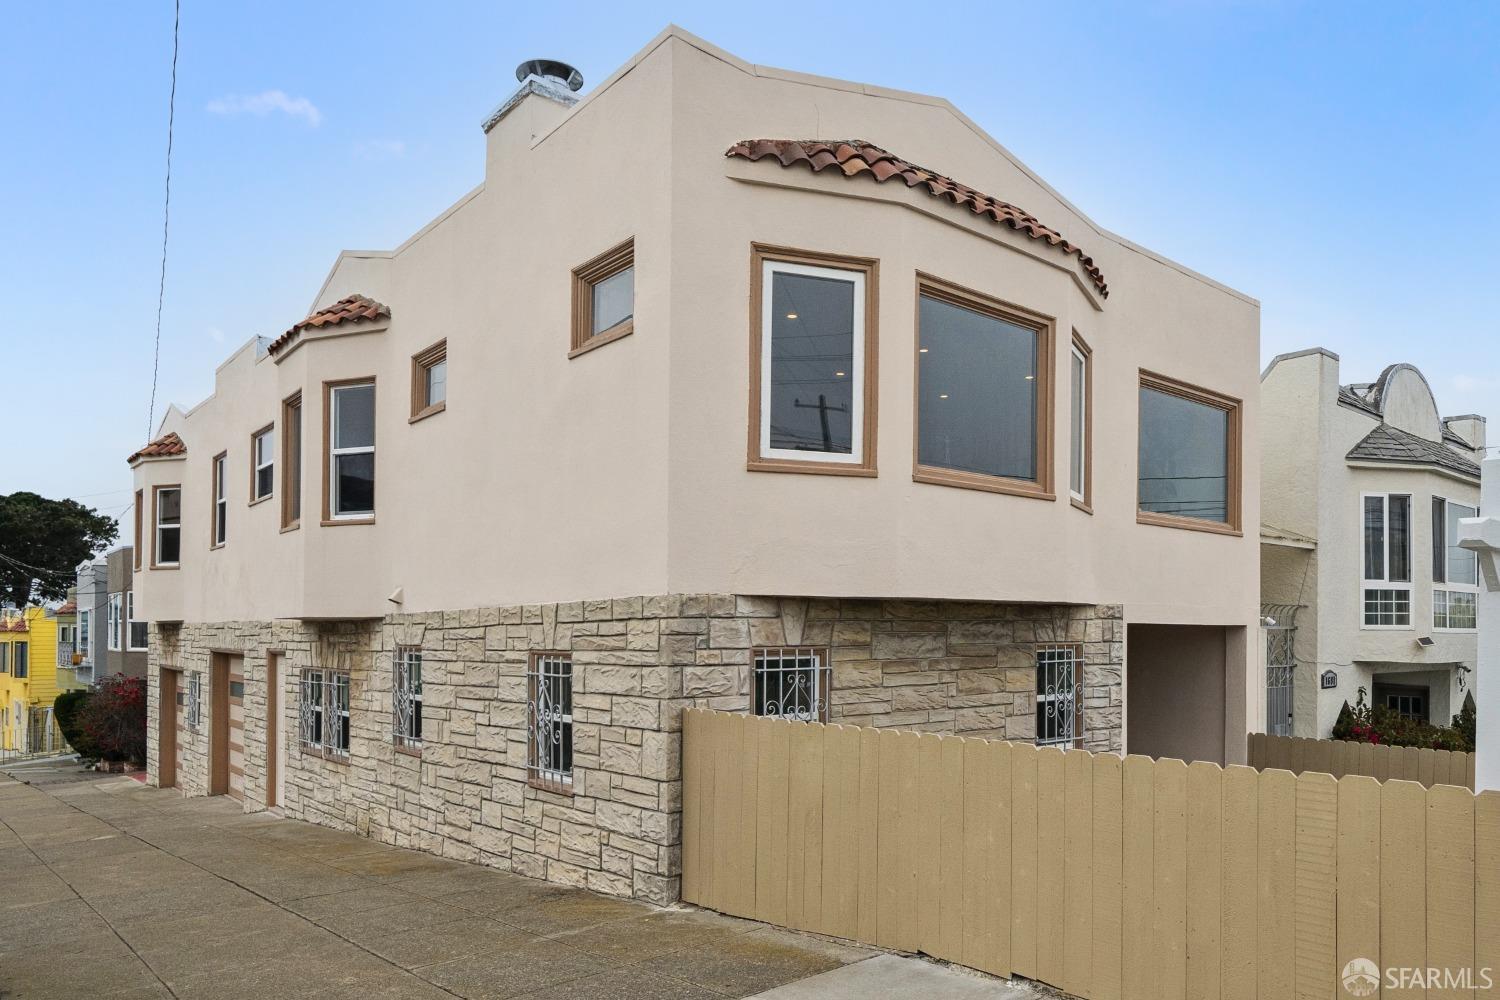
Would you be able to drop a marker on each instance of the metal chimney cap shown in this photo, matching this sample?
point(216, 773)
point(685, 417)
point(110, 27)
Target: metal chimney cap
point(559, 71)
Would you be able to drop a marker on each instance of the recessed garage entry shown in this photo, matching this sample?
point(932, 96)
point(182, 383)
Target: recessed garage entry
point(1184, 692)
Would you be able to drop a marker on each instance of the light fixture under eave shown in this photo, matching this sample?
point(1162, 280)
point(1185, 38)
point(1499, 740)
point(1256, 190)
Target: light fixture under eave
point(791, 315)
point(942, 395)
point(921, 350)
point(1031, 378)
point(839, 374)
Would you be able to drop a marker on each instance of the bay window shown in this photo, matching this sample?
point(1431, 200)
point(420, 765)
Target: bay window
point(1455, 570)
point(812, 379)
point(349, 426)
point(1385, 524)
point(983, 393)
point(166, 506)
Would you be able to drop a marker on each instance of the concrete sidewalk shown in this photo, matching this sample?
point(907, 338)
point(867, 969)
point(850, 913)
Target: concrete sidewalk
point(112, 889)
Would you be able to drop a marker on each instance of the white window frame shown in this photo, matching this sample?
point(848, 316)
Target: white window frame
point(130, 621)
point(1078, 413)
point(856, 455)
point(116, 614)
point(261, 442)
point(156, 507)
point(1444, 586)
point(221, 501)
point(1385, 583)
point(85, 626)
point(334, 451)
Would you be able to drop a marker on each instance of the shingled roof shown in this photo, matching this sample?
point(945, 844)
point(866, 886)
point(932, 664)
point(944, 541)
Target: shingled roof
point(1388, 444)
point(855, 157)
point(353, 309)
point(168, 445)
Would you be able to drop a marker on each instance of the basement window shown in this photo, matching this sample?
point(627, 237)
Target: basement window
point(323, 713)
point(791, 682)
point(549, 761)
point(407, 698)
point(1059, 690)
point(195, 699)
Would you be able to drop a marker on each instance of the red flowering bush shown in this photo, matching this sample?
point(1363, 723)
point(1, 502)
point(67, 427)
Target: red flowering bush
point(1364, 723)
point(114, 719)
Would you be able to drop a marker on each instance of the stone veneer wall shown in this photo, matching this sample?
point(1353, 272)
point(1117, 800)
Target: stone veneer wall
point(966, 668)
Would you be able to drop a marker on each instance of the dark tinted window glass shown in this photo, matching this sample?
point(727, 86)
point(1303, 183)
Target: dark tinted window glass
point(1184, 457)
point(812, 363)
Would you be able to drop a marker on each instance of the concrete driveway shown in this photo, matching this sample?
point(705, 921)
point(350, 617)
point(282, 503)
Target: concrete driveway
point(112, 889)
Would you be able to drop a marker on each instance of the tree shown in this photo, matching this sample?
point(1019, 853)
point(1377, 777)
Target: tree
point(42, 542)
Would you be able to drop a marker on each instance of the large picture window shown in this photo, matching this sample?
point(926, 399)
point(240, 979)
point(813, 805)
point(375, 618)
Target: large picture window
point(983, 393)
point(166, 504)
point(1188, 460)
point(350, 431)
point(549, 761)
point(813, 362)
point(1385, 525)
point(1455, 570)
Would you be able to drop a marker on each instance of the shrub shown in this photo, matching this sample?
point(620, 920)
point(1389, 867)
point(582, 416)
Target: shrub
point(1364, 723)
point(115, 719)
point(69, 709)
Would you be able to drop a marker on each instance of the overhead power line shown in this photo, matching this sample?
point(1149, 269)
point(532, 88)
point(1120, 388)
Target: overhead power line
point(166, 216)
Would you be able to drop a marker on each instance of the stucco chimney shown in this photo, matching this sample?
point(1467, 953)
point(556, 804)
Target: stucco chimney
point(1470, 427)
point(549, 78)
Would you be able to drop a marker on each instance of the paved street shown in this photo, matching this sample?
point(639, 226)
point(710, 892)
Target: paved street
point(113, 889)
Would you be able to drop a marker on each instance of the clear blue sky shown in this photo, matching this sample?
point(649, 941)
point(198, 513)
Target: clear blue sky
point(1338, 161)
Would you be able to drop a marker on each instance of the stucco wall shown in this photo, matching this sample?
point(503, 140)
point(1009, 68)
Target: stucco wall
point(1175, 692)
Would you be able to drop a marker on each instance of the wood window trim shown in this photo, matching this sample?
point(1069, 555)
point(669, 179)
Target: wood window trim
point(155, 526)
point(1045, 328)
point(1234, 462)
point(213, 500)
point(760, 254)
point(255, 436)
point(533, 780)
point(1087, 503)
point(135, 556)
point(585, 276)
point(290, 403)
point(420, 362)
point(328, 520)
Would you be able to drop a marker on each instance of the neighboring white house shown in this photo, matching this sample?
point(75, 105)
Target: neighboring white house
point(1363, 487)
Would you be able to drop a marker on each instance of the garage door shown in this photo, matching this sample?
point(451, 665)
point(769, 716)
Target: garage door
point(236, 741)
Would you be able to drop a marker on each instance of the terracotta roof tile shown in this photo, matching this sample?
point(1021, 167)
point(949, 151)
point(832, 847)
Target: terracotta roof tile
point(166, 446)
point(354, 309)
point(68, 608)
point(854, 157)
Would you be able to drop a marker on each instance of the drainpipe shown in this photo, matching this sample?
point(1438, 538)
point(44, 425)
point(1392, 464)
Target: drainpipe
point(1482, 536)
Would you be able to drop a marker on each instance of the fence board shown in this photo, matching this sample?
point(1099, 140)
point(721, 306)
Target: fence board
point(1241, 839)
point(692, 799)
point(978, 888)
point(1275, 889)
point(1316, 888)
point(1403, 844)
point(1023, 863)
point(888, 841)
point(1169, 834)
point(740, 883)
point(1358, 909)
point(1109, 874)
point(1051, 901)
point(1078, 871)
point(840, 790)
point(1343, 757)
point(1004, 893)
point(773, 752)
point(1487, 882)
point(726, 808)
point(951, 851)
point(909, 844)
point(804, 893)
point(1450, 886)
point(1205, 817)
point(1138, 904)
point(869, 820)
point(929, 830)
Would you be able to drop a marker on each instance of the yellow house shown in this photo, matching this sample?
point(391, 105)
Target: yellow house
point(28, 678)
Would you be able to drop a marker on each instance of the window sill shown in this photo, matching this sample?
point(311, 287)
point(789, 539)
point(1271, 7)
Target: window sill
point(812, 467)
point(423, 414)
point(166, 566)
point(600, 339)
point(1188, 524)
point(410, 751)
point(551, 787)
point(1082, 505)
point(975, 481)
point(256, 500)
point(333, 522)
point(1455, 631)
point(290, 527)
point(333, 758)
point(213, 548)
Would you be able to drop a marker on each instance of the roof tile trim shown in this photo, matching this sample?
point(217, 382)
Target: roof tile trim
point(854, 157)
point(353, 309)
point(167, 446)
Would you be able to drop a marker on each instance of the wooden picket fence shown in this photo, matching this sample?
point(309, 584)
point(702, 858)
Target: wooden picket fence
point(1342, 757)
point(1111, 878)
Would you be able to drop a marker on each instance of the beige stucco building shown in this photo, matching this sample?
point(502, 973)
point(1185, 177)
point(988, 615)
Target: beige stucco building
point(659, 416)
point(1363, 486)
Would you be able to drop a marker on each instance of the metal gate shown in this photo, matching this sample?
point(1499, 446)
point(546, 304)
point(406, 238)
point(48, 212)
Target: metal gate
point(1281, 666)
